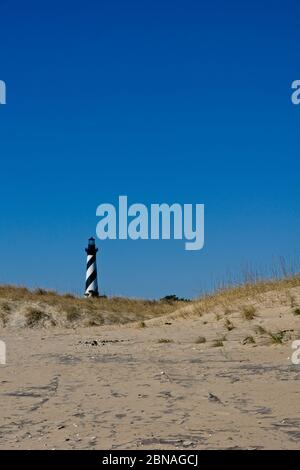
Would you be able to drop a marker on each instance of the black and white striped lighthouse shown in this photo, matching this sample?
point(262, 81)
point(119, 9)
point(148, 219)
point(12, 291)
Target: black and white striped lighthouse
point(91, 282)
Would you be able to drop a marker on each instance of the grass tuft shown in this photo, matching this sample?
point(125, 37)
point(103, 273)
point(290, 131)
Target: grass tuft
point(248, 312)
point(277, 338)
point(229, 325)
point(248, 340)
point(200, 340)
point(34, 316)
point(218, 343)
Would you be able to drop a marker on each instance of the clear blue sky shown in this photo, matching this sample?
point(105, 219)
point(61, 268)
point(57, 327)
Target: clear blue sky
point(165, 101)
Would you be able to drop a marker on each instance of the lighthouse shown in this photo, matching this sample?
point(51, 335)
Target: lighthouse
point(91, 282)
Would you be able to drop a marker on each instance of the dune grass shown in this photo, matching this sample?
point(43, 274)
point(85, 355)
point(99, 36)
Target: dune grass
point(248, 312)
point(226, 297)
point(67, 310)
point(41, 307)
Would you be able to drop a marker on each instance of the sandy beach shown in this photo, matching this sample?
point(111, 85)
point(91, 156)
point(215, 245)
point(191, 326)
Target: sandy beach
point(172, 382)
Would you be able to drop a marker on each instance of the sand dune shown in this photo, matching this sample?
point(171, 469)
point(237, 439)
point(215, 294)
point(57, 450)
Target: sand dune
point(211, 374)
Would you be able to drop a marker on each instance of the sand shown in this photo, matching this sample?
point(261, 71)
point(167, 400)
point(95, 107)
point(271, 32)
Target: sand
point(127, 387)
